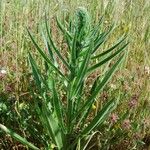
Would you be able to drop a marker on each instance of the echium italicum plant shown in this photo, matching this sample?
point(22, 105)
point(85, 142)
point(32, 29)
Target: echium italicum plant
point(64, 107)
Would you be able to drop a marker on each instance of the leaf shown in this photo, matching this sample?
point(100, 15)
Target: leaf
point(48, 48)
point(37, 75)
point(45, 57)
point(107, 59)
point(74, 50)
point(55, 49)
point(99, 87)
point(35, 71)
point(100, 117)
point(110, 49)
point(84, 66)
point(18, 137)
point(62, 28)
point(53, 127)
point(94, 85)
point(102, 38)
point(46, 118)
point(57, 106)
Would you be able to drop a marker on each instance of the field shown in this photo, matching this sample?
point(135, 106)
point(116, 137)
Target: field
point(65, 95)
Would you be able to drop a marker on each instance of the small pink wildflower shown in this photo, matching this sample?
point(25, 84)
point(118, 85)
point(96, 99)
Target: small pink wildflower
point(136, 136)
point(8, 88)
point(114, 118)
point(133, 102)
point(126, 124)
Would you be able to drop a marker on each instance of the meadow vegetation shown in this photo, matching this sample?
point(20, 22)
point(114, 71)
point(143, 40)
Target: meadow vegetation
point(65, 91)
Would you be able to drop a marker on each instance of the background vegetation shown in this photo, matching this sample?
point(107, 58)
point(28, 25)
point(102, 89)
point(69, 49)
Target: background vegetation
point(129, 125)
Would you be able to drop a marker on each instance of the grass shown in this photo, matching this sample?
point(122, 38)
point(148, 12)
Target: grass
point(130, 83)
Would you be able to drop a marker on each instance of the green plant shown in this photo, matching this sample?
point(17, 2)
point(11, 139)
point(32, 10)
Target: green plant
point(62, 119)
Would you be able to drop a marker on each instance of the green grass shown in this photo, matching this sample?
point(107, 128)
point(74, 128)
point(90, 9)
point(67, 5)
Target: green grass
point(131, 17)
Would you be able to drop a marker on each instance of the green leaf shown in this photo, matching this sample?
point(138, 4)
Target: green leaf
point(74, 50)
point(58, 107)
point(18, 137)
point(54, 130)
point(84, 66)
point(46, 117)
point(55, 49)
point(62, 28)
point(110, 49)
point(45, 57)
point(37, 75)
point(48, 48)
point(102, 38)
point(107, 59)
point(94, 85)
point(99, 87)
point(101, 116)
point(35, 71)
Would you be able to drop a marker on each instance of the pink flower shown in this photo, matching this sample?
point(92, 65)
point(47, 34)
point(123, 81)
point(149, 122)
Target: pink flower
point(113, 118)
point(126, 124)
point(133, 102)
point(8, 88)
point(136, 136)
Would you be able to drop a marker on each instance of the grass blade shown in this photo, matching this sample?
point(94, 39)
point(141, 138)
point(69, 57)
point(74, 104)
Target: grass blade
point(74, 50)
point(84, 66)
point(36, 73)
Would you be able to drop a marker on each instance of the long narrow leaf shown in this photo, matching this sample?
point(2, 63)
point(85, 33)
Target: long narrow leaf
point(74, 50)
point(100, 117)
point(18, 137)
point(35, 71)
point(110, 49)
point(55, 49)
point(48, 48)
point(102, 38)
point(107, 59)
point(100, 86)
point(53, 127)
point(58, 107)
point(84, 65)
point(37, 74)
point(62, 28)
point(45, 57)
